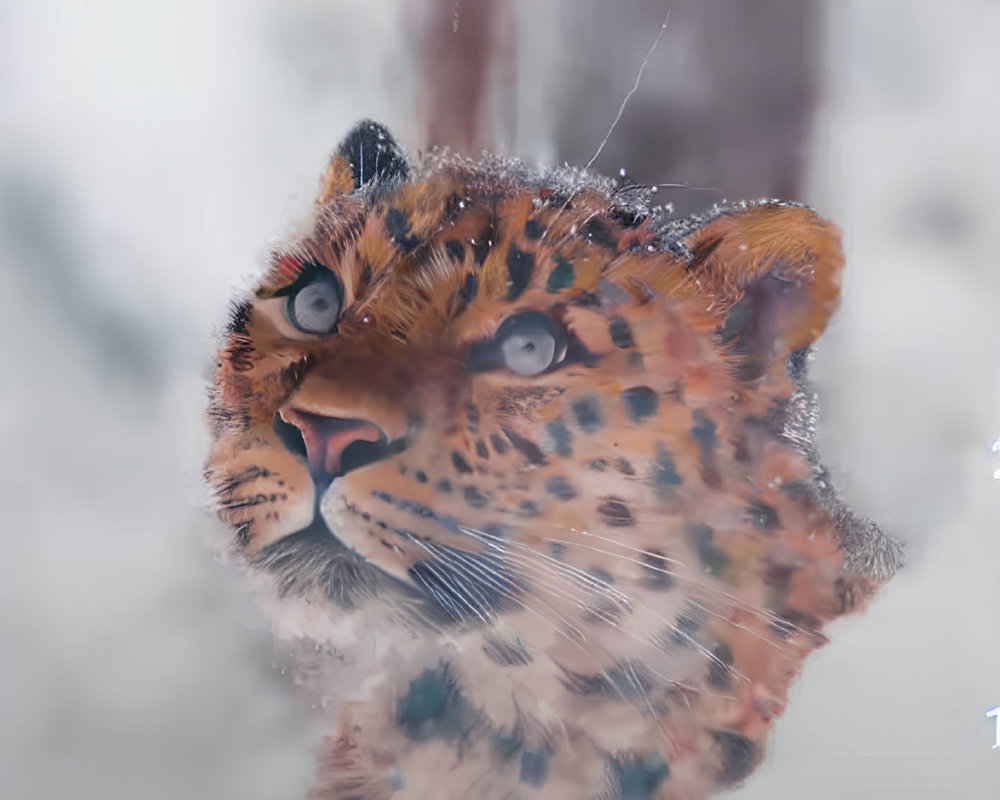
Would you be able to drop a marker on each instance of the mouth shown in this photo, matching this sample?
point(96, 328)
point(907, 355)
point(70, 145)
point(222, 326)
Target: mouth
point(314, 558)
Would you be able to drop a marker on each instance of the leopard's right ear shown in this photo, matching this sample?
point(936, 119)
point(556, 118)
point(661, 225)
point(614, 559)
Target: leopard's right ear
point(367, 156)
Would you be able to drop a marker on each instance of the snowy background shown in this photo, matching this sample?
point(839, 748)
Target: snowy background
point(149, 150)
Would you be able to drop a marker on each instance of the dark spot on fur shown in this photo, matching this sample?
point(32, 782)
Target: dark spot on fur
point(481, 450)
point(293, 375)
point(597, 231)
point(528, 508)
point(621, 333)
point(421, 476)
point(468, 290)
point(525, 447)
point(460, 463)
point(712, 558)
point(561, 277)
point(598, 465)
point(240, 353)
point(719, 673)
point(397, 225)
point(601, 575)
point(507, 742)
point(560, 488)
point(426, 699)
point(664, 468)
point(587, 411)
point(641, 403)
point(562, 439)
point(483, 242)
point(737, 757)
point(456, 250)
point(535, 766)
point(520, 267)
point(777, 575)
point(615, 513)
point(499, 445)
point(474, 497)
point(687, 624)
point(656, 571)
point(638, 777)
point(560, 199)
point(533, 230)
point(626, 218)
point(444, 485)
point(624, 466)
point(703, 431)
point(507, 651)
point(763, 517)
point(627, 680)
point(710, 475)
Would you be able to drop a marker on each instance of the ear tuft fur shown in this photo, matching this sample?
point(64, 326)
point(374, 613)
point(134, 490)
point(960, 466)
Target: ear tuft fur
point(367, 155)
point(774, 273)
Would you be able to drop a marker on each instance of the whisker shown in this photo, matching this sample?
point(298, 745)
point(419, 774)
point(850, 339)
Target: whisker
point(532, 566)
point(455, 591)
point(762, 613)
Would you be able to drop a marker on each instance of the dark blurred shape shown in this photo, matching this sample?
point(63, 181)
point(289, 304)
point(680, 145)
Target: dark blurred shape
point(726, 102)
point(725, 106)
point(466, 72)
point(47, 247)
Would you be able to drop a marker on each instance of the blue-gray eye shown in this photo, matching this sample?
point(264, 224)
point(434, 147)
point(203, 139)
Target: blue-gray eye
point(527, 344)
point(314, 306)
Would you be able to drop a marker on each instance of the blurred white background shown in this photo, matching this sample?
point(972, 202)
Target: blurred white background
point(148, 151)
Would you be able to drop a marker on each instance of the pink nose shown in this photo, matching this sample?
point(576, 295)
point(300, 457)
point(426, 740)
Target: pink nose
point(327, 438)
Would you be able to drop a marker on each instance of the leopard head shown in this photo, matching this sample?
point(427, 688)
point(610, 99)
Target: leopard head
point(535, 461)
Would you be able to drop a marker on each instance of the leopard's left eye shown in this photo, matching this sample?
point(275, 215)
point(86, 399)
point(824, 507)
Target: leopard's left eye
point(314, 306)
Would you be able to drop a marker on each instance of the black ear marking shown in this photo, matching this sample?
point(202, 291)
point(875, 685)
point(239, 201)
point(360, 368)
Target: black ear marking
point(373, 154)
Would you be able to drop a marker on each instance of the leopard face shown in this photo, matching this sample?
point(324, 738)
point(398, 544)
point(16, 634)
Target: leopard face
point(534, 463)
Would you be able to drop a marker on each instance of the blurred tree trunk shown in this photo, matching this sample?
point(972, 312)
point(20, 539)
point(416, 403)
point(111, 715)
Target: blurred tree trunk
point(725, 105)
point(466, 72)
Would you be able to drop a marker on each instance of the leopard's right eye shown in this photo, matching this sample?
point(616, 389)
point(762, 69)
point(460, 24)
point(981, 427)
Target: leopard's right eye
point(527, 344)
point(314, 303)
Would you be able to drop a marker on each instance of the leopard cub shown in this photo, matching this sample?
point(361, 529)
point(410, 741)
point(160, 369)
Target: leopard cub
point(532, 462)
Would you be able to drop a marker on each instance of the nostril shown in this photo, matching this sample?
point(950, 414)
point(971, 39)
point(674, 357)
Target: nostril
point(359, 453)
point(332, 445)
point(291, 437)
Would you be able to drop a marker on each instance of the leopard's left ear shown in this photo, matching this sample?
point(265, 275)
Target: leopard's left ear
point(772, 272)
point(367, 156)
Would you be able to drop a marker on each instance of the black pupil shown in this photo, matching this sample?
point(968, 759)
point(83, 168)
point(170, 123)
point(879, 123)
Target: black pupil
point(318, 302)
